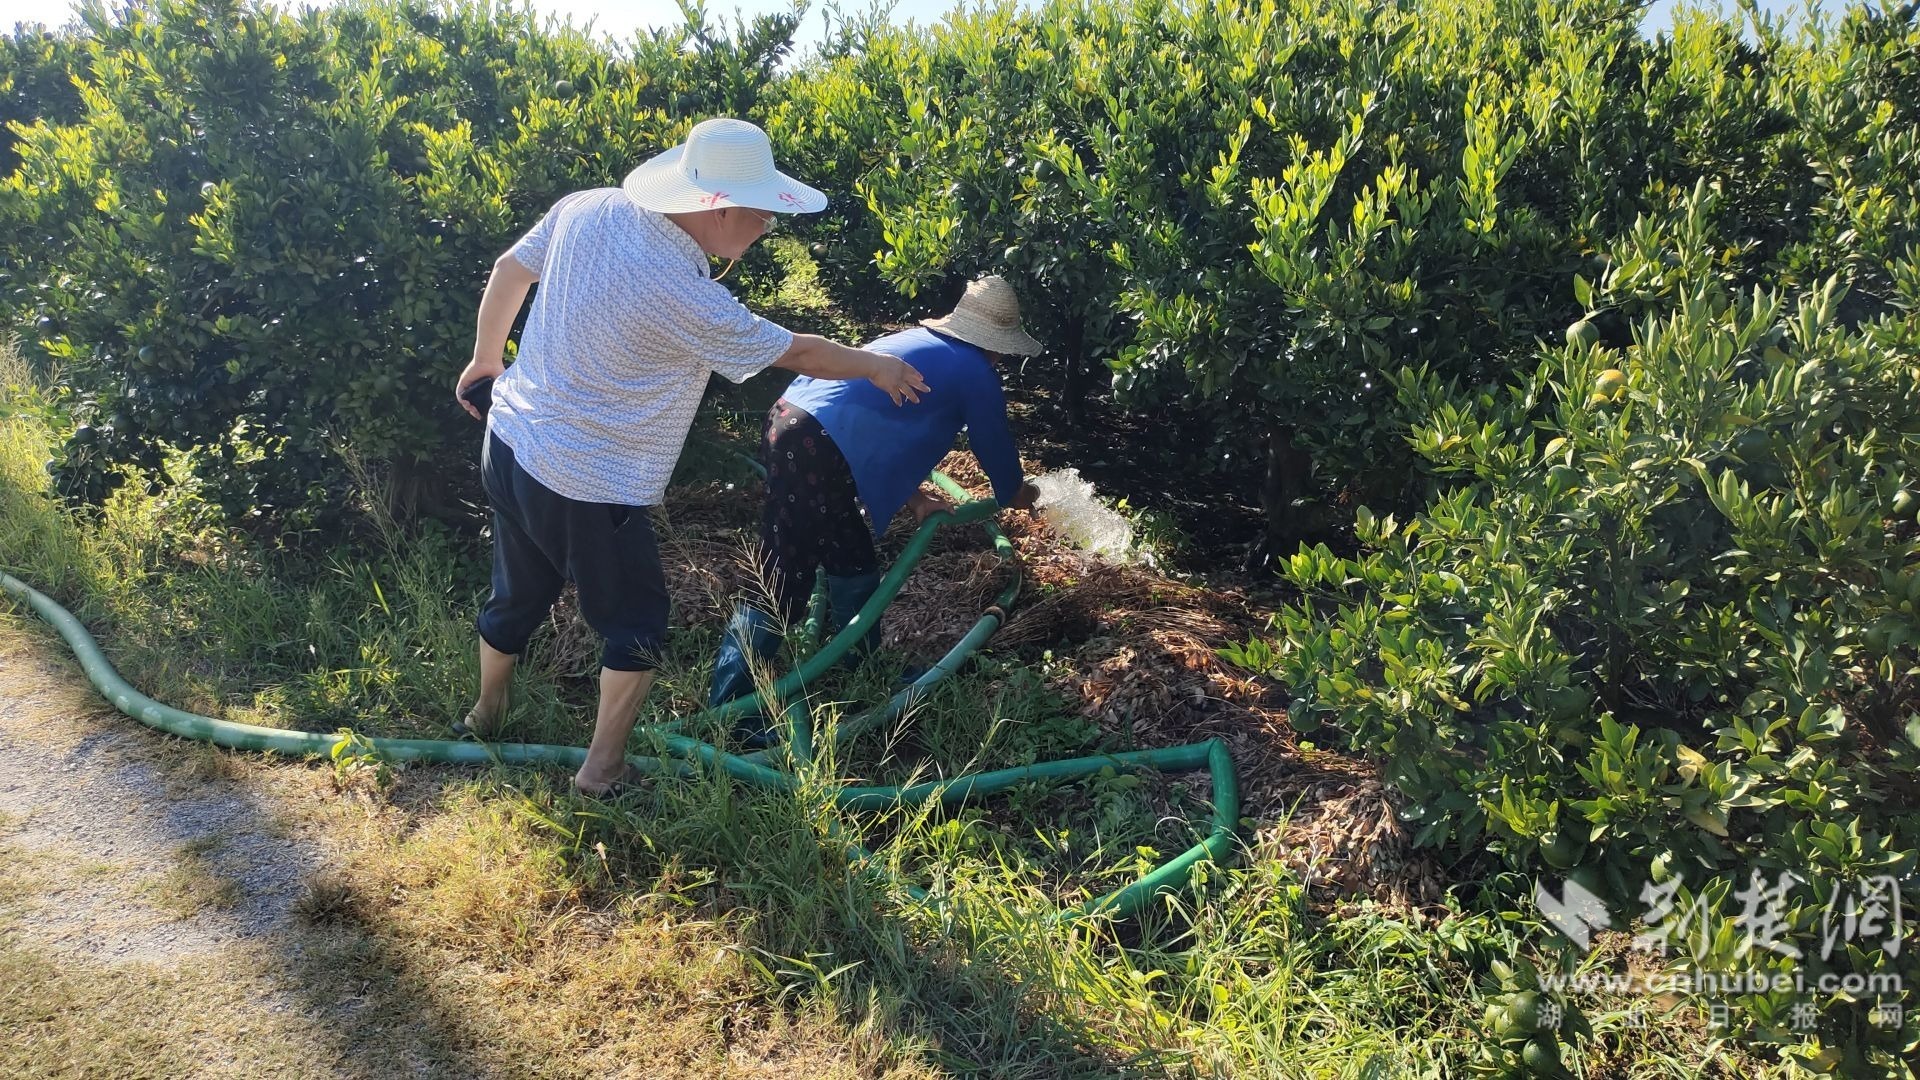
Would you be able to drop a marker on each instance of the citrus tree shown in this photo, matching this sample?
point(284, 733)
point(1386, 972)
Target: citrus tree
point(967, 184)
point(260, 245)
point(1660, 634)
point(34, 83)
point(1250, 211)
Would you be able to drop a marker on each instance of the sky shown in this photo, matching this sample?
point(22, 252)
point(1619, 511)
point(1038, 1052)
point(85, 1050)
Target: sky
point(621, 18)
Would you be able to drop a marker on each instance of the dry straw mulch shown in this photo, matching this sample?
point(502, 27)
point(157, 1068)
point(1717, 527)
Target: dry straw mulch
point(1134, 648)
point(1138, 651)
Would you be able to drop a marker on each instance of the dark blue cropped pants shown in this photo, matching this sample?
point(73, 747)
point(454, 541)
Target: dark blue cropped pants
point(542, 540)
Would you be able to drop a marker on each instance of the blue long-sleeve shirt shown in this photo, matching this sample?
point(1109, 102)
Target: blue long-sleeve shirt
point(892, 448)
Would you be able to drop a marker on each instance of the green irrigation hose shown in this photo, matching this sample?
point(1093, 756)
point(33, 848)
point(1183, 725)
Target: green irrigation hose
point(957, 656)
point(682, 750)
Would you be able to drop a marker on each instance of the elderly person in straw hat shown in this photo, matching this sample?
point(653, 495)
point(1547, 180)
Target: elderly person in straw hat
point(836, 449)
point(584, 429)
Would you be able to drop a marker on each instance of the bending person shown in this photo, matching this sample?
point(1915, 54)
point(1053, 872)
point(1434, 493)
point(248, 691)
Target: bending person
point(585, 428)
point(841, 461)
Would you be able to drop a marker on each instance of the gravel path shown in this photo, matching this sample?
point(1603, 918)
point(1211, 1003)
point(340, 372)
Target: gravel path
point(132, 861)
point(105, 813)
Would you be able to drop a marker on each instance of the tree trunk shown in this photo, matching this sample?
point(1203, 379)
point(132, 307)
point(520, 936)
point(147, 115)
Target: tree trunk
point(402, 489)
point(1073, 345)
point(413, 489)
point(1282, 494)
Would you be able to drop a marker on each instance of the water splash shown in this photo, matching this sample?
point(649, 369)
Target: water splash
point(1069, 504)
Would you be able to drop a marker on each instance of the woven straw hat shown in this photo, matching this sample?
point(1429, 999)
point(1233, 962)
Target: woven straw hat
point(724, 162)
point(988, 315)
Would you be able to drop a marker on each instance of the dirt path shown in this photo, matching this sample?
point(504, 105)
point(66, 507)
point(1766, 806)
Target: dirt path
point(129, 834)
point(168, 909)
point(148, 890)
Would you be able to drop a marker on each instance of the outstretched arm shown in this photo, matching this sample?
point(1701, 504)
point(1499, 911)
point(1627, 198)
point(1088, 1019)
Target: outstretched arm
point(811, 354)
point(992, 442)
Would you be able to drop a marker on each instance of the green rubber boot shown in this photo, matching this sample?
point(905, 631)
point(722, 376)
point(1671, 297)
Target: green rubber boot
point(845, 597)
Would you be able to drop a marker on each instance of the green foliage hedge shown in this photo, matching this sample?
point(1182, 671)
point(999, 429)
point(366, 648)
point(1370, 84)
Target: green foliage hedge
point(1667, 629)
point(263, 237)
point(1246, 215)
point(1255, 213)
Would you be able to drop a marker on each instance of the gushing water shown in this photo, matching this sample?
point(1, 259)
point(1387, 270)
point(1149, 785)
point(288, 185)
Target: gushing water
point(1069, 504)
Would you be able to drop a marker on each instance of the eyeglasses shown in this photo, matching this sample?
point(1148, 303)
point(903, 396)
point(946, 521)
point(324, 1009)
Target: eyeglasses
point(768, 219)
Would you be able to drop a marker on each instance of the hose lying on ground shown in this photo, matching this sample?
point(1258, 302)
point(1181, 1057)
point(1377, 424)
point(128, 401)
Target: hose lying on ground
point(754, 769)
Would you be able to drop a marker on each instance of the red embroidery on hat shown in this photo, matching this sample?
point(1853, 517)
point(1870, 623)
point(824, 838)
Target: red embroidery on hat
point(714, 199)
point(789, 197)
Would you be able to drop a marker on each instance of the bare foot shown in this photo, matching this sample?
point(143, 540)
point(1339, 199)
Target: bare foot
point(478, 724)
point(601, 787)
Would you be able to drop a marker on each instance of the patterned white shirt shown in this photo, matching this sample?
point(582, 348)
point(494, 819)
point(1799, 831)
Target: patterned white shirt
point(624, 331)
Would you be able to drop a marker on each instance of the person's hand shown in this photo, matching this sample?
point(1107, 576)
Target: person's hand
point(477, 370)
point(925, 504)
point(1029, 494)
point(897, 377)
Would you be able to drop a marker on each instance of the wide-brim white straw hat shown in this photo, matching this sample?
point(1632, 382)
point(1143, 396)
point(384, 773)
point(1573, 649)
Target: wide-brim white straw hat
point(724, 162)
point(988, 315)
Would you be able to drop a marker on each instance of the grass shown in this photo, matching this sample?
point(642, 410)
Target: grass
point(565, 932)
point(195, 884)
point(68, 1020)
